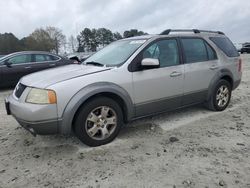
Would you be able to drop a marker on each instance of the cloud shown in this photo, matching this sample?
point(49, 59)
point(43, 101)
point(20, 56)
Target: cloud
point(21, 17)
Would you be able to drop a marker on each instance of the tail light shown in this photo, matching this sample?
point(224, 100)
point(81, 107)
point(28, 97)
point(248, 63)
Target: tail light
point(240, 65)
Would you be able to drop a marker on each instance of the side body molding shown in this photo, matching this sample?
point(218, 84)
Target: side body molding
point(85, 93)
point(217, 77)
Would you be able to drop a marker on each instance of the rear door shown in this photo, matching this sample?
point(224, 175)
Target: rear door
point(43, 61)
point(20, 65)
point(201, 66)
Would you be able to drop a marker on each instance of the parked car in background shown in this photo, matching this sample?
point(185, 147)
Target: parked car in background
point(245, 49)
point(16, 65)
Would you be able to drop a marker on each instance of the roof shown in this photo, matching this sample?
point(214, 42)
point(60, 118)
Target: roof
point(178, 32)
point(27, 52)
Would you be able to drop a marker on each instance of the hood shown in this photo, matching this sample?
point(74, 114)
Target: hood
point(49, 77)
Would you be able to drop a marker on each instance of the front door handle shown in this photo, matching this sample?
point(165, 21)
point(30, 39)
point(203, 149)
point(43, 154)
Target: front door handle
point(214, 67)
point(28, 67)
point(175, 74)
point(52, 65)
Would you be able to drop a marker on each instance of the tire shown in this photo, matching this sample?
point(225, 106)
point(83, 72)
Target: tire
point(220, 100)
point(98, 122)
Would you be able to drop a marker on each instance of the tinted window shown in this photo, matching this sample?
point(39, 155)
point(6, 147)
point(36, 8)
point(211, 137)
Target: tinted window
point(210, 52)
point(54, 58)
point(225, 45)
point(40, 58)
point(20, 59)
point(195, 50)
point(166, 51)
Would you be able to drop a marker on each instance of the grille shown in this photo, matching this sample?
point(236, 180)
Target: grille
point(19, 90)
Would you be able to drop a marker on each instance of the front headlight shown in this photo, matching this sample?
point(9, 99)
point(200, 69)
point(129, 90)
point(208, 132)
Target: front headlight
point(41, 96)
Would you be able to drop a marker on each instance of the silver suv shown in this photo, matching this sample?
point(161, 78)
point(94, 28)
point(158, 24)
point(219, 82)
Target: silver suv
point(128, 79)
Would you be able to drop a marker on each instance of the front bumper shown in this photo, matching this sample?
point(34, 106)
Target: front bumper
point(37, 119)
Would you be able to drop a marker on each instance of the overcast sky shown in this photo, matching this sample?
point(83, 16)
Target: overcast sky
point(21, 17)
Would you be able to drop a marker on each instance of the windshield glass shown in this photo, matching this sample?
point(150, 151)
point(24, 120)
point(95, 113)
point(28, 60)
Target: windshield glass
point(1, 57)
point(116, 53)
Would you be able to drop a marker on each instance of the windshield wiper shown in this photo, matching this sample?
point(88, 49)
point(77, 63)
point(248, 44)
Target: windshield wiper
point(94, 63)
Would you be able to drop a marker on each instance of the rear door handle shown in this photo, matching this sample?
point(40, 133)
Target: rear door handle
point(28, 67)
point(52, 65)
point(175, 74)
point(214, 67)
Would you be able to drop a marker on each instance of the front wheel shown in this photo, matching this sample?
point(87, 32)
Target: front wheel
point(220, 97)
point(98, 121)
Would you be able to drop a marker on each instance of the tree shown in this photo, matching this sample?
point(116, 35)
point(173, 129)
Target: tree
point(132, 33)
point(57, 37)
point(104, 36)
point(81, 44)
point(72, 43)
point(9, 43)
point(42, 40)
point(117, 36)
point(94, 43)
point(29, 43)
point(87, 40)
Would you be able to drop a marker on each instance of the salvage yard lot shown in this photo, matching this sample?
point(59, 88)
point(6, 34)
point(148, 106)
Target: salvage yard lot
point(192, 147)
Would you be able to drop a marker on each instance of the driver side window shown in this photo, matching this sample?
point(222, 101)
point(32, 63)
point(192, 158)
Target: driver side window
point(166, 51)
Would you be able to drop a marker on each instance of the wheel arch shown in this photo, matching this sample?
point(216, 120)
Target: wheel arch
point(113, 91)
point(222, 74)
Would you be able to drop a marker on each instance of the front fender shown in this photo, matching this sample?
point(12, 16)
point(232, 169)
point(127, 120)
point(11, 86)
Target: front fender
point(85, 93)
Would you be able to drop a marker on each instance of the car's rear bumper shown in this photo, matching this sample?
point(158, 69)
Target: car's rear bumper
point(33, 117)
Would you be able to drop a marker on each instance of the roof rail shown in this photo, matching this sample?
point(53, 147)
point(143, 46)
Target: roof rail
point(166, 32)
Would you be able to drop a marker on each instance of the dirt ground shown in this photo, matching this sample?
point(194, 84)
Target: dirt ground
point(192, 147)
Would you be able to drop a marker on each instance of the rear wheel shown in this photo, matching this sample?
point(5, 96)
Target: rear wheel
point(221, 96)
point(98, 121)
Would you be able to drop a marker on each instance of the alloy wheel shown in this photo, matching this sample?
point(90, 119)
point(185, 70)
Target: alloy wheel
point(101, 122)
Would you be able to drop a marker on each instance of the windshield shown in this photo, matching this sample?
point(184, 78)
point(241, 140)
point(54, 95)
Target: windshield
point(116, 53)
point(1, 57)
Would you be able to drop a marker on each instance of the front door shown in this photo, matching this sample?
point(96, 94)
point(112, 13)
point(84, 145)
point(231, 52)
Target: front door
point(20, 66)
point(159, 89)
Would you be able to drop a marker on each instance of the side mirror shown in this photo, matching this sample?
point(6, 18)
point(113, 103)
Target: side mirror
point(150, 63)
point(7, 63)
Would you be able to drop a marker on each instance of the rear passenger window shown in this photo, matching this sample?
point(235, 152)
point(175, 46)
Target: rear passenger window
point(225, 45)
point(210, 52)
point(195, 50)
point(48, 58)
point(39, 58)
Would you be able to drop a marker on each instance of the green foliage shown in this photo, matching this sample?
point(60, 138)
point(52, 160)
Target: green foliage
point(117, 36)
point(52, 39)
point(104, 36)
point(91, 39)
point(57, 38)
point(9, 43)
point(133, 33)
point(41, 40)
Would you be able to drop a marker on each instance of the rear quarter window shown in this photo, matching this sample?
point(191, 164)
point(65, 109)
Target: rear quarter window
point(225, 45)
point(54, 58)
